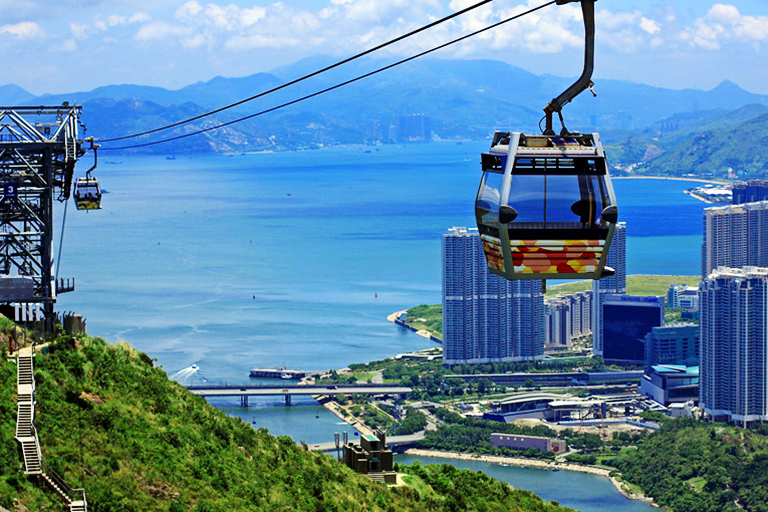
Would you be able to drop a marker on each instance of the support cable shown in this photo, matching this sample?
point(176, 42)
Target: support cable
point(328, 89)
point(305, 77)
point(61, 243)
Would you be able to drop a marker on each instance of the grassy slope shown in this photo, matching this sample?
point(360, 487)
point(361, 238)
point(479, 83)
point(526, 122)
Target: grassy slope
point(430, 317)
point(112, 423)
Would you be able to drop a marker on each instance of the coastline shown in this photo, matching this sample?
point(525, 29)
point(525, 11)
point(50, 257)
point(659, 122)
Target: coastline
point(670, 178)
point(516, 461)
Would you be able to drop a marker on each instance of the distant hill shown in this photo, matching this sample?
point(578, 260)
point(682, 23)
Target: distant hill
point(705, 143)
point(712, 152)
point(464, 99)
point(109, 421)
point(14, 95)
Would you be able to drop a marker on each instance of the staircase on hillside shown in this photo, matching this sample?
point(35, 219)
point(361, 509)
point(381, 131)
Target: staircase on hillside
point(26, 435)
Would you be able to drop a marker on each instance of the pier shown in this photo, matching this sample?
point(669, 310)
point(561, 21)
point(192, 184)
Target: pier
point(244, 392)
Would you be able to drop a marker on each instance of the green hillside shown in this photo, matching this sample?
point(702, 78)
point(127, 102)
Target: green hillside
point(707, 148)
point(111, 422)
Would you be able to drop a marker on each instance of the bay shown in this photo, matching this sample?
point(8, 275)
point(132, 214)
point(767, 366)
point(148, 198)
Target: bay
point(580, 491)
point(295, 259)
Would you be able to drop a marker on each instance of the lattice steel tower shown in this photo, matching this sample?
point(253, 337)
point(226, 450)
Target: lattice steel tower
point(39, 147)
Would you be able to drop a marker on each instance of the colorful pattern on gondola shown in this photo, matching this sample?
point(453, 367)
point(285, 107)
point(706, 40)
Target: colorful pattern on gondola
point(87, 204)
point(493, 255)
point(556, 256)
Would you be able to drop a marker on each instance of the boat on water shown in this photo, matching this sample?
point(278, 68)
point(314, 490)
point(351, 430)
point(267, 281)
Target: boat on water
point(277, 373)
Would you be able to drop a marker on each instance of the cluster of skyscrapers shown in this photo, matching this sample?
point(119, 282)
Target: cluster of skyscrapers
point(485, 317)
point(489, 319)
point(733, 297)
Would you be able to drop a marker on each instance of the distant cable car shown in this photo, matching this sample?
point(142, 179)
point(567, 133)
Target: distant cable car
point(87, 194)
point(546, 207)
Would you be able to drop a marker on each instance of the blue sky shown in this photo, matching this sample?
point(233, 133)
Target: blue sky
point(77, 45)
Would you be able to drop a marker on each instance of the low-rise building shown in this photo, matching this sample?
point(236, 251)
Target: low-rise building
point(683, 296)
point(523, 443)
point(371, 457)
point(667, 384)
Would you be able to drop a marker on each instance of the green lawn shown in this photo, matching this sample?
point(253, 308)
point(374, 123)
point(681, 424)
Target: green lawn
point(636, 285)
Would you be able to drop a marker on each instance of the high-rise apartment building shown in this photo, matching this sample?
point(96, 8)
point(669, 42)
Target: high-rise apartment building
point(567, 319)
point(735, 236)
point(733, 360)
point(558, 325)
point(615, 284)
point(750, 192)
point(485, 317)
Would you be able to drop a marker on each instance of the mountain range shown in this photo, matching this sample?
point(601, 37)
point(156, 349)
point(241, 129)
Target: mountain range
point(462, 99)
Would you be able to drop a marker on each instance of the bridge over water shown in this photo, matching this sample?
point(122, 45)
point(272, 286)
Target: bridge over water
point(244, 392)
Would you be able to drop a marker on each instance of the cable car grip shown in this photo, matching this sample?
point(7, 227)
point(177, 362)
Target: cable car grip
point(585, 80)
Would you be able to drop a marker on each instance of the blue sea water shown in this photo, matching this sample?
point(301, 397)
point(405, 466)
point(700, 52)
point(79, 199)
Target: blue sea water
point(579, 491)
point(295, 259)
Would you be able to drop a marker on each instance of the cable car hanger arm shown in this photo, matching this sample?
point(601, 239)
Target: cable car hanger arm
point(585, 80)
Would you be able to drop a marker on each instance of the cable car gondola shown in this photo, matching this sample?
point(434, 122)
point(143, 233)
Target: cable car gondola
point(546, 208)
point(87, 194)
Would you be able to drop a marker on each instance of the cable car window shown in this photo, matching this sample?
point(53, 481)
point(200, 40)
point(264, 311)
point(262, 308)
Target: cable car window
point(526, 196)
point(562, 194)
point(487, 206)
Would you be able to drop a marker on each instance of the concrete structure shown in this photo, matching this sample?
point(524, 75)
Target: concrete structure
point(750, 192)
point(683, 296)
point(371, 457)
point(668, 384)
point(485, 317)
point(616, 284)
point(567, 319)
point(523, 443)
point(581, 314)
point(735, 237)
point(557, 323)
point(676, 344)
point(414, 128)
point(627, 319)
point(734, 344)
point(287, 391)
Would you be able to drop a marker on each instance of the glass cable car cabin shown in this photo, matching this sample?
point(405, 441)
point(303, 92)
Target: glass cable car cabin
point(87, 194)
point(546, 207)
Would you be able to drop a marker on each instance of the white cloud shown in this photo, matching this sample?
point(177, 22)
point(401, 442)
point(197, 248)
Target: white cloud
point(160, 31)
point(105, 23)
point(188, 11)
point(23, 30)
point(68, 45)
point(139, 17)
point(649, 25)
point(723, 24)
